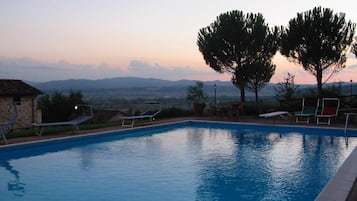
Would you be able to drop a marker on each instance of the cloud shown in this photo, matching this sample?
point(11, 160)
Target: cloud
point(144, 69)
point(352, 66)
point(32, 70)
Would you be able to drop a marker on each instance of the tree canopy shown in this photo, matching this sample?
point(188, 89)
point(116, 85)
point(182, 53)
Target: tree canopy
point(195, 93)
point(234, 41)
point(259, 75)
point(318, 39)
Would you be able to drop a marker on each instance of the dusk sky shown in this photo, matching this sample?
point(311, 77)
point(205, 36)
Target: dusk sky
point(42, 40)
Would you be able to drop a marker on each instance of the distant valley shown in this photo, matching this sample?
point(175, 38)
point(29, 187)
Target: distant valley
point(133, 87)
point(114, 91)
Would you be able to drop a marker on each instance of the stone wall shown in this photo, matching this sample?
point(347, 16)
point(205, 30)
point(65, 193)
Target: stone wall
point(28, 111)
point(6, 110)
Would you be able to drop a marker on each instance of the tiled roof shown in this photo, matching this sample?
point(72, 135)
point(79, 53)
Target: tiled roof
point(17, 88)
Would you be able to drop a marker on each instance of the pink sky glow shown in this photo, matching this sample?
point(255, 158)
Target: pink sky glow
point(56, 40)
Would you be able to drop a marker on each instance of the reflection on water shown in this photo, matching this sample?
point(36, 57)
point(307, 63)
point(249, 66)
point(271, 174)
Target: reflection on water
point(17, 187)
point(271, 166)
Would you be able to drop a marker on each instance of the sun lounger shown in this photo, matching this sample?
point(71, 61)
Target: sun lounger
point(146, 115)
point(6, 127)
point(309, 109)
point(273, 115)
point(75, 122)
point(330, 107)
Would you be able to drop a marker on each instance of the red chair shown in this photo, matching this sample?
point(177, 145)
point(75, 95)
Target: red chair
point(330, 107)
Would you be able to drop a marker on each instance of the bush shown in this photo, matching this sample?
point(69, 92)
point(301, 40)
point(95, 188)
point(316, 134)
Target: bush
point(174, 112)
point(59, 107)
point(251, 108)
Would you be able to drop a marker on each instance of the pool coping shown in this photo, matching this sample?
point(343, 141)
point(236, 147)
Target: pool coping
point(167, 124)
point(98, 133)
point(341, 185)
point(338, 188)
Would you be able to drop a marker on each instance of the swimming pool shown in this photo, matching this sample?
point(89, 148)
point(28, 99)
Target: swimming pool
point(182, 161)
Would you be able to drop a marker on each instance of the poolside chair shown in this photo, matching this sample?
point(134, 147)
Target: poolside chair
point(7, 126)
point(146, 115)
point(274, 115)
point(281, 114)
point(75, 122)
point(153, 108)
point(309, 109)
point(330, 107)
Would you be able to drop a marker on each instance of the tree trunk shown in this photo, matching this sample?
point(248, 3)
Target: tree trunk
point(256, 95)
point(242, 93)
point(319, 82)
point(257, 100)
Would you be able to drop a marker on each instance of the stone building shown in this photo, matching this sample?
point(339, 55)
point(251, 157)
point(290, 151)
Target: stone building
point(25, 98)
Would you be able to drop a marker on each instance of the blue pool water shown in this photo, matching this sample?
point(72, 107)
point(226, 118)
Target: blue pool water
point(186, 161)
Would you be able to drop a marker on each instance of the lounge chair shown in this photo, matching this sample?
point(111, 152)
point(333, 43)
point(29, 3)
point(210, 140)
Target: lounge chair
point(146, 115)
point(7, 126)
point(330, 107)
point(75, 122)
point(273, 115)
point(309, 109)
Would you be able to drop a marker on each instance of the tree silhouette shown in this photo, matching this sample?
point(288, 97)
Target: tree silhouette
point(196, 93)
point(286, 89)
point(59, 107)
point(318, 39)
point(259, 75)
point(234, 41)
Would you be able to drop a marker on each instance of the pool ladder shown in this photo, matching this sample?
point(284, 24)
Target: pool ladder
point(346, 125)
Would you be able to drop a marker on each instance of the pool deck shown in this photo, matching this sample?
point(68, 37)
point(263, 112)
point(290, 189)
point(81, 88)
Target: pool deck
point(242, 119)
point(343, 186)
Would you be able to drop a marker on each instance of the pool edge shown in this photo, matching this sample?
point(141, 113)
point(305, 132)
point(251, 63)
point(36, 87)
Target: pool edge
point(338, 188)
point(341, 185)
point(89, 134)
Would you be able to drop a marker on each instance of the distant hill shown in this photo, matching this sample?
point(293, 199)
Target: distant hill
point(115, 83)
point(134, 87)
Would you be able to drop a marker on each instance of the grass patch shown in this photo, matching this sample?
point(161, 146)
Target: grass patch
point(53, 130)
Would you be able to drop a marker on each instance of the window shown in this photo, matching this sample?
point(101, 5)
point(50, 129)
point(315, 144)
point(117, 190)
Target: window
point(17, 100)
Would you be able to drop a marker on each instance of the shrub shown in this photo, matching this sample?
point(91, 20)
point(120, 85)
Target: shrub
point(174, 112)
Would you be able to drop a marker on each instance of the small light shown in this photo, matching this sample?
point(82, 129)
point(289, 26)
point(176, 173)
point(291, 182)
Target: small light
point(76, 107)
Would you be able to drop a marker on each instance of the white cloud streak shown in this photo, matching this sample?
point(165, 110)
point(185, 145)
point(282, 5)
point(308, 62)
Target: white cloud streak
point(31, 70)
